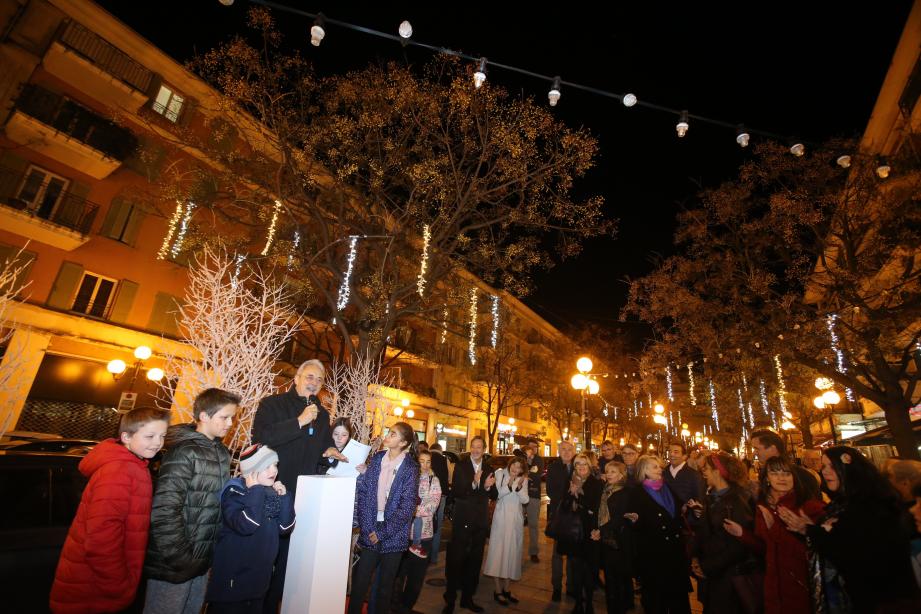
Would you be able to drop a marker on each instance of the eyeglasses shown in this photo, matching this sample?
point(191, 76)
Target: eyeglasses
point(581, 464)
point(312, 378)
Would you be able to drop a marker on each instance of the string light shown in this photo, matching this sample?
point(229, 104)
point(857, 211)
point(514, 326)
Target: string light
point(629, 100)
point(471, 347)
point(479, 77)
point(714, 412)
point(553, 96)
point(495, 320)
point(682, 126)
point(764, 399)
point(238, 261)
point(636, 411)
point(183, 228)
point(171, 230)
point(294, 245)
point(270, 236)
point(841, 366)
point(668, 382)
point(444, 325)
point(405, 29)
point(742, 136)
point(345, 289)
point(691, 383)
point(781, 388)
point(317, 32)
point(426, 238)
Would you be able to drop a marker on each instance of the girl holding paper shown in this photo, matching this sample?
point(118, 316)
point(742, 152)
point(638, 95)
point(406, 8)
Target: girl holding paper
point(342, 433)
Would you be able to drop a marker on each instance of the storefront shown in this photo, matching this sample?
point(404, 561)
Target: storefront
point(452, 437)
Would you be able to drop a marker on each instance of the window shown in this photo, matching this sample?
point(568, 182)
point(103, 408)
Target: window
point(168, 103)
point(94, 295)
point(41, 191)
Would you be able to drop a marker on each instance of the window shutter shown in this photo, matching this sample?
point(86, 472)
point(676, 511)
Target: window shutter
point(135, 219)
point(114, 222)
point(164, 314)
point(64, 286)
point(26, 259)
point(121, 308)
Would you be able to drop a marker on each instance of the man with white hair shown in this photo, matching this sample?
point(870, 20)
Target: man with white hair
point(297, 426)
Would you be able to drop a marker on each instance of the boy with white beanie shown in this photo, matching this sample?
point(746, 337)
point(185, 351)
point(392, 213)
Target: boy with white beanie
point(256, 510)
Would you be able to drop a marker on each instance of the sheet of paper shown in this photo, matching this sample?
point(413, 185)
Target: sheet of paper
point(357, 453)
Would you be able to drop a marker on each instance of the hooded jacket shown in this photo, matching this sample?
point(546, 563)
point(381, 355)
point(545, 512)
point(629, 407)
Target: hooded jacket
point(101, 561)
point(186, 513)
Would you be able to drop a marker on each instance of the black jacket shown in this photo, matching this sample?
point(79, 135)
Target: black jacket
point(659, 539)
point(618, 544)
point(299, 452)
point(186, 512)
point(558, 476)
point(587, 507)
point(534, 476)
point(686, 485)
point(471, 505)
point(440, 468)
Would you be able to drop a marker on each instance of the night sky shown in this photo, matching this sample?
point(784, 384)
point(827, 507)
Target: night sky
point(785, 68)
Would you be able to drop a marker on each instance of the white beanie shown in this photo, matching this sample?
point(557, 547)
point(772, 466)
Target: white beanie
point(256, 458)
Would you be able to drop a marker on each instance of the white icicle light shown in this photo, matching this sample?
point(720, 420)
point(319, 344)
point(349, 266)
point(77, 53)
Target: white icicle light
point(713, 410)
point(345, 289)
point(781, 387)
point(495, 320)
point(294, 245)
point(171, 230)
point(840, 364)
point(629, 100)
point(444, 325)
point(423, 267)
point(668, 382)
point(764, 399)
point(270, 237)
point(238, 266)
point(471, 346)
point(183, 228)
point(691, 383)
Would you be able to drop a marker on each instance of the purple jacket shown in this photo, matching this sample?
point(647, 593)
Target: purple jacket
point(393, 532)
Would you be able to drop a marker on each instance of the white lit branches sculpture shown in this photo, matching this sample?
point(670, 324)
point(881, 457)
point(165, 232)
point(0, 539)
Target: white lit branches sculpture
point(238, 320)
point(11, 288)
point(357, 388)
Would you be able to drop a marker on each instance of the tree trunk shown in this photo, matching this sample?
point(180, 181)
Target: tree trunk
point(805, 421)
point(900, 425)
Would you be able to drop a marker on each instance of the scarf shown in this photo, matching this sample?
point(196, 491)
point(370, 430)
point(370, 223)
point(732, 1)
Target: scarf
point(604, 514)
point(662, 496)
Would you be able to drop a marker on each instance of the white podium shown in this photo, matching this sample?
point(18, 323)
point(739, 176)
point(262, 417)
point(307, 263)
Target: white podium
point(319, 556)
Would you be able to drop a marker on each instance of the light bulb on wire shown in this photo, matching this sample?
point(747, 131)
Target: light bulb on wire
point(797, 149)
point(317, 33)
point(844, 161)
point(479, 77)
point(406, 29)
point(629, 100)
point(883, 169)
point(742, 136)
point(682, 126)
point(554, 94)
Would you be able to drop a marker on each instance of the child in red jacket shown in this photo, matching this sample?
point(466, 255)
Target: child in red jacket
point(102, 558)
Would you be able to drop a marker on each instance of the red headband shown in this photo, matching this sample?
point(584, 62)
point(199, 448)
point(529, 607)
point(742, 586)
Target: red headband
point(719, 466)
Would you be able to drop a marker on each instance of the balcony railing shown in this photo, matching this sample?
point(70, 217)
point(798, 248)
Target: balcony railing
point(68, 210)
point(76, 121)
point(106, 56)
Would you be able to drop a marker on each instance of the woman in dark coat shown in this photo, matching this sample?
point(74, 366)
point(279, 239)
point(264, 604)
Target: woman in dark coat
point(583, 498)
point(662, 560)
point(615, 532)
point(719, 557)
point(861, 537)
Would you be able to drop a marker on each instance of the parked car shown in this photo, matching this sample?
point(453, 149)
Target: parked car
point(49, 445)
point(41, 492)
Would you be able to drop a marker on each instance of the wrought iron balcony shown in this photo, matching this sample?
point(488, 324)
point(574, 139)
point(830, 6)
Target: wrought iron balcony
point(106, 56)
point(34, 196)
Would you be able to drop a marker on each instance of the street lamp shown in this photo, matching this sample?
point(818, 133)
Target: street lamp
point(118, 367)
point(585, 383)
point(828, 399)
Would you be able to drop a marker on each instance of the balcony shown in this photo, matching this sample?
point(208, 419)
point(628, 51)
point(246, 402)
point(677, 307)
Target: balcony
point(61, 129)
point(43, 210)
point(108, 74)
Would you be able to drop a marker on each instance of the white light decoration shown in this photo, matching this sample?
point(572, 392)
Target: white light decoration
point(781, 387)
point(844, 161)
point(691, 383)
point(824, 383)
point(629, 100)
point(883, 169)
point(798, 149)
point(226, 2)
point(471, 346)
point(345, 289)
point(831, 397)
point(742, 136)
point(479, 77)
point(238, 262)
point(294, 245)
point(553, 96)
point(444, 325)
point(764, 399)
point(317, 33)
point(668, 383)
point(494, 338)
point(636, 411)
point(183, 228)
point(714, 412)
point(650, 400)
point(270, 236)
point(171, 230)
point(405, 29)
point(840, 365)
point(423, 267)
point(682, 126)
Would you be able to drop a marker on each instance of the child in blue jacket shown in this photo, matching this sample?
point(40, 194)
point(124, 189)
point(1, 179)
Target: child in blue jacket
point(256, 510)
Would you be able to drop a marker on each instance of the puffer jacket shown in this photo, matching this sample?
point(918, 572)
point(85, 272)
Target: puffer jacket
point(393, 532)
point(102, 558)
point(186, 514)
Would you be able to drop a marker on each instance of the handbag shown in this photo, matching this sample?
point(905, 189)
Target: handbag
point(566, 524)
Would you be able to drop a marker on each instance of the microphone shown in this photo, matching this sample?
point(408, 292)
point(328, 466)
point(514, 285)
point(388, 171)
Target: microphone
point(313, 400)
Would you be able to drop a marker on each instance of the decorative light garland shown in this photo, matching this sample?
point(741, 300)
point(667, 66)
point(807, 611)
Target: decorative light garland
point(345, 289)
point(444, 325)
point(636, 410)
point(238, 261)
point(764, 400)
point(270, 236)
point(471, 347)
point(495, 320)
point(423, 267)
point(294, 245)
point(781, 386)
point(714, 412)
point(691, 383)
point(841, 364)
point(183, 228)
point(668, 382)
point(173, 222)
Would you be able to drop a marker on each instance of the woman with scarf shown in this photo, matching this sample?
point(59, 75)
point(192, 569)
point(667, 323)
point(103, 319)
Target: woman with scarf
point(728, 581)
point(615, 532)
point(582, 499)
point(860, 538)
point(662, 560)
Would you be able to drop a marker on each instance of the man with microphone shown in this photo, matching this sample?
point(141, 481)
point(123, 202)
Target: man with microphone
point(296, 425)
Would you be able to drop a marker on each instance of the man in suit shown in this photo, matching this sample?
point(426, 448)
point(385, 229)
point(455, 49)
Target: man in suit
point(685, 482)
point(558, 477)
point(768, 444)
point(535, 468)
point(440, 468)
point(472, 488)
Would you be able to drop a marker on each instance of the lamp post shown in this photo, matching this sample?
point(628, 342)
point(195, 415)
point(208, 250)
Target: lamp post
point(584, 381)
point(660, 419)
point(828, 399)
point(118, 367)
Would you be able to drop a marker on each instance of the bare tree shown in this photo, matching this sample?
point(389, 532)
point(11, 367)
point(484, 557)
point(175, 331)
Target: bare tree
point(11, 289)
point(357, 388)
point(237, 318)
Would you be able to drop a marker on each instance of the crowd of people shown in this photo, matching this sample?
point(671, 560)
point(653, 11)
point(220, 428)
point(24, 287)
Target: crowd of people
point(845, 539)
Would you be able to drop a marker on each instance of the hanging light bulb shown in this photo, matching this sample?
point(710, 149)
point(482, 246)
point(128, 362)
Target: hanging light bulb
point(844, 161)
point(406, 29)
point(479, 77)
point(554, 94)
point(682, 126)
point(629, 100)
point(316, 31)
point(883, 169)
point(742, 136)
point(226, 2)
point(797, 149)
